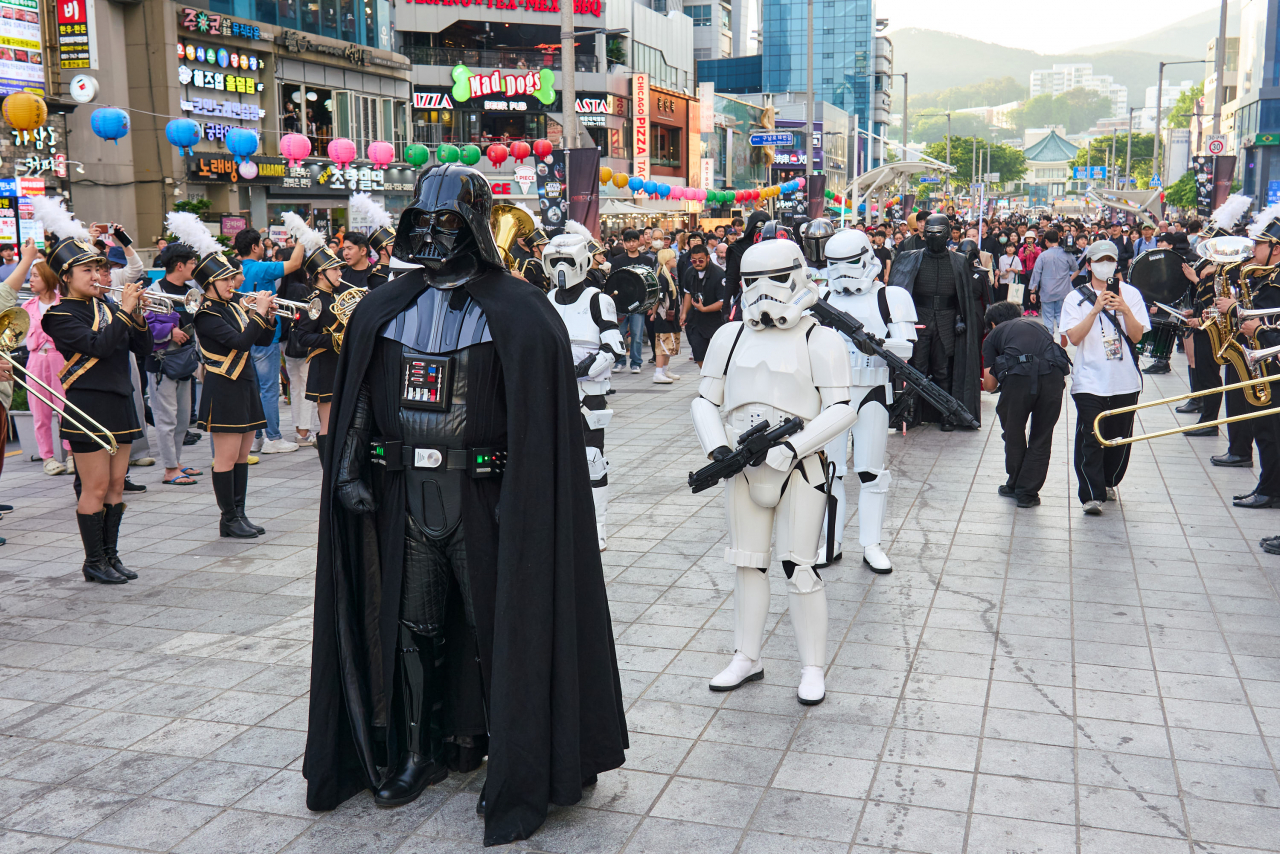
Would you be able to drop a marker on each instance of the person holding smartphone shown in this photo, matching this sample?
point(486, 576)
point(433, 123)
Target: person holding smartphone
point(1104, 319)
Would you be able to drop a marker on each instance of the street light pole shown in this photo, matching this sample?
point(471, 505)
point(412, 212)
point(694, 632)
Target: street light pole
point(568, 61)
point(808, 125)
point(1156, 171)
point(1219, 68)
point(1128, 151)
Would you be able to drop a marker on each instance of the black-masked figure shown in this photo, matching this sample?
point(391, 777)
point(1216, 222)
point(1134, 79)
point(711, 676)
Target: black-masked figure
point(460, 603)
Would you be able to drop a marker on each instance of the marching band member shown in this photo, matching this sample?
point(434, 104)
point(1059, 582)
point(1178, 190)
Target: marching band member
point(99, 341)
point(379, 240)
point(230, 403)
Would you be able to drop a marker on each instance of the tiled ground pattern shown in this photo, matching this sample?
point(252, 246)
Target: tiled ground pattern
point(1026, 681)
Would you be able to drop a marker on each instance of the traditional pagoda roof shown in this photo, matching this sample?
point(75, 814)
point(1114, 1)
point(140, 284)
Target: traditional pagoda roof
point(1052, 149)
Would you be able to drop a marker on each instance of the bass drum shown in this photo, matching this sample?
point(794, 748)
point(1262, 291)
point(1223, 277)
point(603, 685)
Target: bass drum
point(634, 289)
point(1157, 274)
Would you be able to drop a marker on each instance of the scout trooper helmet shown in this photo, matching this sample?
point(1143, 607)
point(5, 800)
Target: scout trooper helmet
point(852, 265)
point(566, 260)
point(776, 288)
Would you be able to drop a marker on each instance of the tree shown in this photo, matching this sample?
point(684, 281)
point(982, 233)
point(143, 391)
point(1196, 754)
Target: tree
point(1076, 110)
point(933, 128)
point(1179, 116)
point(1182, 192)
point(989, 93)
point(1099, 153)
point(1006, 160)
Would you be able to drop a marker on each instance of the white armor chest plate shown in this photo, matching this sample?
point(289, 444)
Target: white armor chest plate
point(867, 370)
point(770, 377)
point(584, 335)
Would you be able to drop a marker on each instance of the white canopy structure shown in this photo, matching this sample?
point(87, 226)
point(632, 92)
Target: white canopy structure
point(1145, 203)
point(888, 177)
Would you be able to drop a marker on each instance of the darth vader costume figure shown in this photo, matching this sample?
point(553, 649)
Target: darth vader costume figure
point(946, 295)
point(460, 602)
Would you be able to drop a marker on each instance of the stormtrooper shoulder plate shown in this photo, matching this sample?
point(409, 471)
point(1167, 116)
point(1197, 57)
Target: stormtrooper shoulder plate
point(829, 359)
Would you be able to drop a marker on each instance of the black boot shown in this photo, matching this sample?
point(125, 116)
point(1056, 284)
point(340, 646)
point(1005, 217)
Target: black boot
point(1195, 404)
point(241, 471)
point(231, 525)
point(112, 514)
point(95, 566)
point(408, 780)
point(416, 728)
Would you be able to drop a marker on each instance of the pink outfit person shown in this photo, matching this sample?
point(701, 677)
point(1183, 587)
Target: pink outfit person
point(44, 363)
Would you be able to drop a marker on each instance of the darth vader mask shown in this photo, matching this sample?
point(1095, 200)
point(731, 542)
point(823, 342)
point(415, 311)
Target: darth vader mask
point(448, 221)
point(937, 231)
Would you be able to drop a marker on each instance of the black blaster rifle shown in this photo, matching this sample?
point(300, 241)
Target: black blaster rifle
point(850, 326)
point(753, 445)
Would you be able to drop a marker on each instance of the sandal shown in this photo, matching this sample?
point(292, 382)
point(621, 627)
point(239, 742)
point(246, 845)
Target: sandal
point(191, 471)
point(180, 480)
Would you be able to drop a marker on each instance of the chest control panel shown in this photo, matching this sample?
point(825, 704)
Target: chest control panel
point(426, 382)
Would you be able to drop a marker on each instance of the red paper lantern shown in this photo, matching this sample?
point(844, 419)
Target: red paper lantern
point(496, 154)
point(739, 196)
point(755, 194)
point(542, 148)
point(520, 150)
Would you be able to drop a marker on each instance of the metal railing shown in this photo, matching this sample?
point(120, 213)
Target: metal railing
point(503, 59)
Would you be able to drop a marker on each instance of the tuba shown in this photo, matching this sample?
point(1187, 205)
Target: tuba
point(509, 222)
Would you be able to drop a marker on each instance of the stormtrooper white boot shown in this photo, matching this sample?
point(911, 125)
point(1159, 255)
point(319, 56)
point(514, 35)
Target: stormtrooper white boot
point(807, 599)
point(872, 499)
point(601, 496)
point(750, 610)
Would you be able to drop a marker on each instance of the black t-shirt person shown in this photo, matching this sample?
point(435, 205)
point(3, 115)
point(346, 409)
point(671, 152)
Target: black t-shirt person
point(708, 286)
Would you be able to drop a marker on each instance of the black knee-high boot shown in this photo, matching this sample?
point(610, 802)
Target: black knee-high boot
point(224, 490)
point(112, 515)
point(95, 566)
point(241, 472)
point(417, 728)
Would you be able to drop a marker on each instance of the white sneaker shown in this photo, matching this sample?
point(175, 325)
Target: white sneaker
point(1112, 495)
point(660, 377)
point(673, 376)
point(256, 446)
point(278, 446)
point(143, 461)
point(53, 467)
point(739, 672)
point(306, 441)
point(874, 557)
point(1093, 508)
point(635, 370)
point(813, 687)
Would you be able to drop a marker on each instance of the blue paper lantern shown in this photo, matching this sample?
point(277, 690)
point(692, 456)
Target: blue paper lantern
point(110, 123)
point(241, 142)
point(635, 185)
point(651, 187)
point(184, 133)
point(862, 209)
point(664, 190)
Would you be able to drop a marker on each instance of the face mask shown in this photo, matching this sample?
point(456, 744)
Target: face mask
point(1104, 269)
point(1004, 239)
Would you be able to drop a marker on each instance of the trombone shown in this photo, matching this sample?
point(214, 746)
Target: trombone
point(312, 309)
point(14, 323)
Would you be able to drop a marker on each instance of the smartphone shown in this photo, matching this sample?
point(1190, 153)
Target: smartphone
point(1113, 286)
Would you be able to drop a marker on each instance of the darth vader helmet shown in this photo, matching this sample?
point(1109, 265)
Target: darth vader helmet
point(448, 220)
point(937, 231)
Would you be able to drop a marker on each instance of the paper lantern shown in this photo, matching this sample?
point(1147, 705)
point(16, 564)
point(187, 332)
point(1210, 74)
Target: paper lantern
point(542, 148)
point(448, 153)
point(664, 190)
point(621, 180)
point(470, 155)
point(605, 174)
point(417, 155)
point(248, 170)
point(520, 150)
point(651, 187)
point(341, 151)
point(25, 111)
point(294, 147)
point(496, 153)
point(381, 153)
point(241, 142)
point(635, 184)
point(675, 193)
point(182, 133)
point(830, 194)
point(110, 123)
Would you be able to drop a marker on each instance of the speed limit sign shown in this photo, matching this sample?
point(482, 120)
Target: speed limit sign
point(1217, 144)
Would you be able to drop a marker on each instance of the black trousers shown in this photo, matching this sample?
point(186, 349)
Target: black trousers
point(1097, 467)
point(935, 345)
point(1208, 374)
point(1240, 434)
point(1263, 432)
point(1026, 460)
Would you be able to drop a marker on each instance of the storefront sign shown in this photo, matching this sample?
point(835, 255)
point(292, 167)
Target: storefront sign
point(77, 34)
point(525, 176)
point(222, 109)
point(708, 172)
point(18, 222)
point(665, 107)
point(21, 69)
point(580, 7)
point(640, 126)
point(233, 225)
point(218, 56)
point(432, 101)
point(200, 21)
point(296, 42)
point(24, 186)
point(539, 84)
point(222, 169)
point(218, 81)
point(592, 111)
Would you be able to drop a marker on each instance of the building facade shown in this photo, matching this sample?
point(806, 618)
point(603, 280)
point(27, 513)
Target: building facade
point(1256, 110)
point(844, 51)
point(1064, 77)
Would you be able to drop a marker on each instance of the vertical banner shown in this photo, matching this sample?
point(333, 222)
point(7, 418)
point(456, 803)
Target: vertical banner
point(815, 187)
point(584, 188)
point(1202, 170)
point(1224, 169)
point(708, 177)
point(640, 126)
point(77, 37)
point(553, 200)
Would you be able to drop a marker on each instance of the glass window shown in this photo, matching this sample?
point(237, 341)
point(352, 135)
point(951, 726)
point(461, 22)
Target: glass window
point(726, 19)
point(667, 150)
point(308, 111)
point(701, 15)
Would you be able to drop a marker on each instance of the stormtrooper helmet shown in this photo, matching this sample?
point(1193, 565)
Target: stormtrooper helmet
point(776, 288)
point(852, 265)
point(566, 260)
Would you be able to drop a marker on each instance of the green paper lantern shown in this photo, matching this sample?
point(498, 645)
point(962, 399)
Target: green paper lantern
point(830, 194)
point(417, 155)
point(448, 153)
point(471, 155)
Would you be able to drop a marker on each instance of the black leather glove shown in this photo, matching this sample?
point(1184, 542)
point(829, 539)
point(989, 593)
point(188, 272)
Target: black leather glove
point(350, 483)
point(584, 367)
point(721, 452)
point(960, 324)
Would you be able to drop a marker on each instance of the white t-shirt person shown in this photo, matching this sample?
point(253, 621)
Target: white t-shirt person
point(1104, 364)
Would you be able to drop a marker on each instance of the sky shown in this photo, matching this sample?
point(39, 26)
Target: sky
point(1042, 27)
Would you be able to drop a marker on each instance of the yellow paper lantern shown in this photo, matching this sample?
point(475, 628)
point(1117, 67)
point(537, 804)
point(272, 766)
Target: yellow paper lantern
point(25, 111)
point(620, 179)
point(605, 174)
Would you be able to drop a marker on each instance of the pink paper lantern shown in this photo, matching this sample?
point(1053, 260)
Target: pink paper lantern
point(676, 193)
point(248, 170)
point(342, 152)
point(381, 153)
point(702, 195)
point(294, 147)
point(800, 183)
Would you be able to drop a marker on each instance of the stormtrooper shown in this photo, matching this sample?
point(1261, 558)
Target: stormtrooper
point(592, 321)
point(890, 314)
point(775, 364)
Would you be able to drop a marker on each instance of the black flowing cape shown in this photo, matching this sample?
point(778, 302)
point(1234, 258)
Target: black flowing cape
point(966, 366)
point(542, 618)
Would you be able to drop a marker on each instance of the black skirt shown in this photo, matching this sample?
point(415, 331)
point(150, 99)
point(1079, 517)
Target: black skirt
point(113, 411)
point(320, 372)
point(231, 406)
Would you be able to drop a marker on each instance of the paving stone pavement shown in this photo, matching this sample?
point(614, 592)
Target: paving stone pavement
point(1025, 681)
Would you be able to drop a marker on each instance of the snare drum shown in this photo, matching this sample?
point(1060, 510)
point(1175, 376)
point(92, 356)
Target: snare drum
point(634, 289)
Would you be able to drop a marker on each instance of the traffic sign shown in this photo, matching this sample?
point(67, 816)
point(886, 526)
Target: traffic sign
point(1216, 143)
point(930, 179)
point(780, 139)
point(992, 177)
point(1086, 173)
point(1155, 181)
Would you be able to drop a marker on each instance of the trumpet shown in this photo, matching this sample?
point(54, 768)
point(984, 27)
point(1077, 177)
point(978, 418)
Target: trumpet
point(1252, 357)
point(14, 323)
point(156, 302)
point(312, 309)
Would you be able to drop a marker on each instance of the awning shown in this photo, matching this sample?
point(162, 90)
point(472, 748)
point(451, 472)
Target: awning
point(616, 207)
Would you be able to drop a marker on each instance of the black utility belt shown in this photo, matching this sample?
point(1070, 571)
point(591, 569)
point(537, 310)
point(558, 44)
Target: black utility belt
point(476, 462)
point(937, 303)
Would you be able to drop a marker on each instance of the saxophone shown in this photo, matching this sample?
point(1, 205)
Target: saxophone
point(1216, 324)
point(1260, 394)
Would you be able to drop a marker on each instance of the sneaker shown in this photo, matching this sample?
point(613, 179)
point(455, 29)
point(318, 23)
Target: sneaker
point(253, 461)
point(1093, 508)
point(1112, 495)
point(143, 461)
point(306, 441)
point(635, 369)
point(53, 467)
point(1025, 501)
point(71, 464)
point(256, 446)
point(130, 486)
point(660, 377)
point(278, 446)
point(673, 376)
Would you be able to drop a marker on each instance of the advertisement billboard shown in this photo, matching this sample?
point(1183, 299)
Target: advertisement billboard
point(21, 55)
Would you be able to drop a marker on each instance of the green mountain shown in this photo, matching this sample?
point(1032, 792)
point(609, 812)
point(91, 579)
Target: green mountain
point(1189, 36)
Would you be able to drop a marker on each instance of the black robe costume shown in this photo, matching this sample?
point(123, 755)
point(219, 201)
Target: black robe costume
point(546, 653)
point(966, 366)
